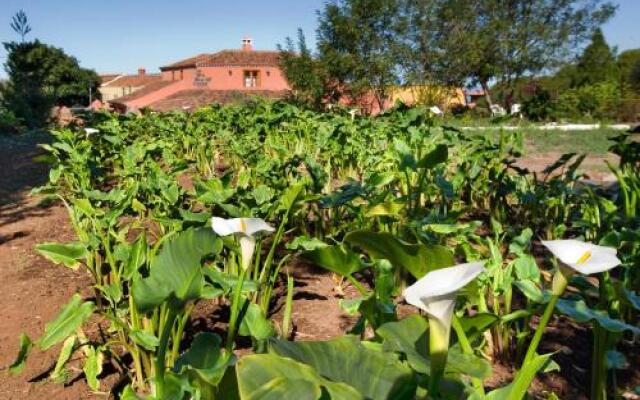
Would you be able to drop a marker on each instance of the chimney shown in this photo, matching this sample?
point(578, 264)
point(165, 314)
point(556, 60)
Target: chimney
point(247, 44)
point(142, 71)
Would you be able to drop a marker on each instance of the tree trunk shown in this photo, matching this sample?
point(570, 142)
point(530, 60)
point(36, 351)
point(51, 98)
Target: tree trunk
point(487, 94)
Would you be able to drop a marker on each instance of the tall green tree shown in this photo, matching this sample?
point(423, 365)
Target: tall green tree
point(305, 73)
point(499, 41)
point(597, 63)
point(356, 40)
point(42, 76)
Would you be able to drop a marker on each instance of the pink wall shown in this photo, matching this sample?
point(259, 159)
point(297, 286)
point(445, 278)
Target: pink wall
point(159, 94)
point(219, 78)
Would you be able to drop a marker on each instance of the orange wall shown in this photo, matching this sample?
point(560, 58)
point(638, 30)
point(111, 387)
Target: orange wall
point(220, 79)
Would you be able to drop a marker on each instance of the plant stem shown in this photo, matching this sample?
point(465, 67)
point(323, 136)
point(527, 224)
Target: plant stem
point(162, 351)
point(466, 349)
point(235, 310)
point(533, 346)
point(438, 349)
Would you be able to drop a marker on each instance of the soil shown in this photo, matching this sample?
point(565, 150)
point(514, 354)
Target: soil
point(32, 290)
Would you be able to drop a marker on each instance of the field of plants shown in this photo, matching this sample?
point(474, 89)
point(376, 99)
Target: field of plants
point(460, 259)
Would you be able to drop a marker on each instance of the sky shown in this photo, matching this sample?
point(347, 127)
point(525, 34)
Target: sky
point(119, 36)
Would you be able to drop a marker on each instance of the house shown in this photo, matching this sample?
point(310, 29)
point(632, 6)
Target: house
point(224, 76)
point(114, 86)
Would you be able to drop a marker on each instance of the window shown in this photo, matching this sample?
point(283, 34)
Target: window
point(251, 79)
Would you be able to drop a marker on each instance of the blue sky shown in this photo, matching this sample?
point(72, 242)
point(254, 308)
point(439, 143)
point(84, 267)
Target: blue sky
point(120, 36)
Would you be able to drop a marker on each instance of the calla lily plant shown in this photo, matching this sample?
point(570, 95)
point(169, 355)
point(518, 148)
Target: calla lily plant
point(575, 257)
point(245, 230)
point(435, 294)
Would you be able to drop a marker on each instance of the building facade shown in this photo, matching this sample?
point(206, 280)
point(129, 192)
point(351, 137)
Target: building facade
point(211, 77)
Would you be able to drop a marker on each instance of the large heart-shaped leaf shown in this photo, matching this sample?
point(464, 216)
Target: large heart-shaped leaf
point(580, 312)
point(436, 156)
point(204, 359)
point(256, 324)
point(67, 254)
point(410, 336)
point(71, 317)
point(376, 375)
point(335, 258)
point(176, 272)
point(262, 375)
point(418, 259)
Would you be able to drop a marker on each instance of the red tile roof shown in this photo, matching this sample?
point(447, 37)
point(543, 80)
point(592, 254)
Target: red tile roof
point(104, 78)
point(227, 58)
point(193, 99)
point(157, 84)
point(134, 80)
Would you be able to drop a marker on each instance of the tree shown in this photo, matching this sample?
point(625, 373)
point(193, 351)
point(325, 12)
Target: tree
point(356, 41)
point(20, 25)
point(597, 63)
point(629, 61)
point(41, 76)
point(305, 73)
point(496, 40)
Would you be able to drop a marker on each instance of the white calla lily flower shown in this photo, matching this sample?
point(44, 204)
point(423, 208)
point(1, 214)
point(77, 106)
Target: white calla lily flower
point(245, 229)
point(436, 292)
point(583, 257)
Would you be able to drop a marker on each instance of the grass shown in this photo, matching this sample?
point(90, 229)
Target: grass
point(595, 142)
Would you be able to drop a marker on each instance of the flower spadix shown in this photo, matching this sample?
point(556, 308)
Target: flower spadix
point(245, 229)
point(436, 292)
point(583, 257)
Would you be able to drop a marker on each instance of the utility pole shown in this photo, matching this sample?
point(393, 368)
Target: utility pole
point(90, 93)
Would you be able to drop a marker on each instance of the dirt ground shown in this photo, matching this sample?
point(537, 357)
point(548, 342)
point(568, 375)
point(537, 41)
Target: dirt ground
point(32, 290)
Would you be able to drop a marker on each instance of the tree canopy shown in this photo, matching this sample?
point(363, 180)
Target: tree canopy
point(41, 76)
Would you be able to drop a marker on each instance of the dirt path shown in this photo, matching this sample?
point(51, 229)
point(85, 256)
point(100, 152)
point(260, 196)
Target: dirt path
point(31, 289)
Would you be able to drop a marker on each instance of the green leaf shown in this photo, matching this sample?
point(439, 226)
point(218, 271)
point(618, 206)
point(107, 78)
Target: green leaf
point(376, 375)
point(204, 359)
point(531, 291)
point(19, 363)
point(526, 268)
point(418, 259)
point(176, 272)
point(68, 254)
point(305, 243)
point(255, 324)
point(228, 282)
point(71, 317)
point(144, 339)
point(616, 360)
point(389, 208)
point(436, 156)
point(261, 375)
point(521, 243)
point(335, 258)
point(65, 354)
point(93, 367)
point(129, 394)
point(137, 257)
point(410, 336)
point(477, 324)
point(579, 312)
